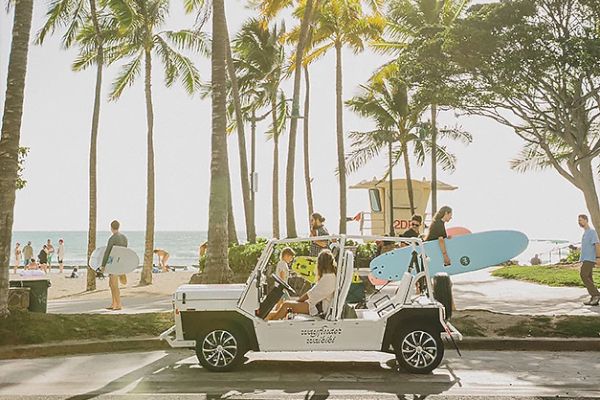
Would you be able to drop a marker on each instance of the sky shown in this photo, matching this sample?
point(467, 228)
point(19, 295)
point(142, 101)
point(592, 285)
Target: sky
point(56, 127)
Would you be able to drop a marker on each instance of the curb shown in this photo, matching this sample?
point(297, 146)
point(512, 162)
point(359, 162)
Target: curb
point(528, 344)
point(154, 344)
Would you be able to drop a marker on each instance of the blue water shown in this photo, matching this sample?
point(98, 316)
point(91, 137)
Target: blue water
point(182, 246)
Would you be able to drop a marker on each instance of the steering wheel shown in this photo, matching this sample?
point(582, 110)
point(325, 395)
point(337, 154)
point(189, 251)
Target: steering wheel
point(284, 285)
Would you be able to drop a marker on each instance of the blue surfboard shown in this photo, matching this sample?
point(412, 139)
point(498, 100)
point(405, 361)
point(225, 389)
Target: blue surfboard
point(467, 253)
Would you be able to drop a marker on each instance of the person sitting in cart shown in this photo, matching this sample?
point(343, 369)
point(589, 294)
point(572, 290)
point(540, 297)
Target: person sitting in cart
point(317, 301)
point(283, 267)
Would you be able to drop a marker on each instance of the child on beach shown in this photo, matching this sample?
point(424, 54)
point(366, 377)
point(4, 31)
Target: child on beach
point(17, 256)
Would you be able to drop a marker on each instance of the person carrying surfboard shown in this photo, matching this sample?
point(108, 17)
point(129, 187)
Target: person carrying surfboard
point(317, 229)
point(117, 239)
point(437, 230)
point(590, 256)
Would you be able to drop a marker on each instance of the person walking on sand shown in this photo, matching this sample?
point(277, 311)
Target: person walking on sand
point(437, 230)
point(27, 253)
point(43, 258)
point(60, 254)
point(163, 257)
point(535, 260)
point(590, 256)
point(18, 255)
point(117, 239)
point(50, 250)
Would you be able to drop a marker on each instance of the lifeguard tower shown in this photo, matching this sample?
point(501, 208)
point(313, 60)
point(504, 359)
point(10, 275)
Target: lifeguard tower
point(377, 220)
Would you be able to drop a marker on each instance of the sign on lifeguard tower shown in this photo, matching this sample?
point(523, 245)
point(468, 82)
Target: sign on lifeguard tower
point(377, 220)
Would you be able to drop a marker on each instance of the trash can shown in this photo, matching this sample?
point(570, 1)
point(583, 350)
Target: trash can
point(38, 293)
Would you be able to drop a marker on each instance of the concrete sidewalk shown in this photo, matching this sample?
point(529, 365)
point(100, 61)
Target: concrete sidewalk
point(473, 290)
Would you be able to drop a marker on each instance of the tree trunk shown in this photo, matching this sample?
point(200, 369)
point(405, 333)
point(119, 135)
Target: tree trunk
point(244, 175)
point(231, 231)
point(433, 159)
point(275, 195)
point(290, 218)
point(339, 108)
point(217, 264)
point(590, 194)
point(11, 135)
point(391, 189)
point(93, 207)
point(307, 178)
point(146, 277)
point(409, 185)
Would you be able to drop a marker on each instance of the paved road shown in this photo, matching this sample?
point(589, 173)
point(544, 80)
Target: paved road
point(353, 375)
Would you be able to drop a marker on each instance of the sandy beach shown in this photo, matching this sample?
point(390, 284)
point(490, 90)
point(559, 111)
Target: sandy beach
point(163, 284)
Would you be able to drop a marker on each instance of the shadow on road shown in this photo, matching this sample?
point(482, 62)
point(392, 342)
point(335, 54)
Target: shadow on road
point(178, 373)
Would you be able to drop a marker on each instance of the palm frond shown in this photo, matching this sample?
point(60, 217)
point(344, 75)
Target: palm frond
point(177, 66)
point(129, 72)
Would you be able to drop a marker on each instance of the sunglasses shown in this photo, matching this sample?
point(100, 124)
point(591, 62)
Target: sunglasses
point(415, 225)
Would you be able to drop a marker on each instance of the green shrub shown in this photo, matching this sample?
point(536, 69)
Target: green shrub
point(572, 257)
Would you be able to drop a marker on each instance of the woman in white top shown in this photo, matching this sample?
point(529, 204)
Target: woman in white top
point(322, 293)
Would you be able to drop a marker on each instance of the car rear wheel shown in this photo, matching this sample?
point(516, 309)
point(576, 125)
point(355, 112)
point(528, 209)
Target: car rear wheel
point(221, 349)
point(419, 350)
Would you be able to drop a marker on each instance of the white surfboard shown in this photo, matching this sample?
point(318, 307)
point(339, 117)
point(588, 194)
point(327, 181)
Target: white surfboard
point(121, 260)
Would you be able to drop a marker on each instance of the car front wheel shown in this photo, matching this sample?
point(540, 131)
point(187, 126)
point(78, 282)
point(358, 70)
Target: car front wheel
point(419, 350)
point(221, 349)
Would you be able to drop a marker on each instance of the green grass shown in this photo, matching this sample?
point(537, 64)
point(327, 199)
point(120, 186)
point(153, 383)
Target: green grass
point(487, 323)
point(33, 328)
point(551, 275)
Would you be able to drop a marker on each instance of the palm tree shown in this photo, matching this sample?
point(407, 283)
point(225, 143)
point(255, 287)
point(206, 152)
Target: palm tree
point(386, 101)
point(217, 263)
point(268, 9)
point(139, 21)
point(11, 135)
point(340, 23)
point(419, 28)
point(260, 60)
point(74, 15)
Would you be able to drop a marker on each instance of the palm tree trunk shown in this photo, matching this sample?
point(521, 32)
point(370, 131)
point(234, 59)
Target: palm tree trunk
point(92, 218)
point(146, 276)
point(11, 135)
point(590, 194)
point(275, 198)
point(244, 175)
point(409, 185)
point(231, 231)
point(290, 218)
point(339, 108)
point(307, 178)
point(433, 159)
point(217, 264)
point(391, 181)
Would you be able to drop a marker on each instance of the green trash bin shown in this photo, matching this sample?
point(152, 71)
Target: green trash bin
point(38, 293)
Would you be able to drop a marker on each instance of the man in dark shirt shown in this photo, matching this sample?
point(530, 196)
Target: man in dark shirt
point(415, 226)
point(117, 239)
point(437, 230)
point(317, 229)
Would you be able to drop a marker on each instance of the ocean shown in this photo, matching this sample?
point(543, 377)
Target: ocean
point(183, 245)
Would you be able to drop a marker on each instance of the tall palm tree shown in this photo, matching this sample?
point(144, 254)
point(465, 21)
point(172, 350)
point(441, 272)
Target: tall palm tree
point(11, 135)
point(419, 28)
point(140, 21)
point(260, 60)
point(385, 100)
point(306, 126)
point(269, 9)
point(74, 15)
point(340, 23)
point(217, 263)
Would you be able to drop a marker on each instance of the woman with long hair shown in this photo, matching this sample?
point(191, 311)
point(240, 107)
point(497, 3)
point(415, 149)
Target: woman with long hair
point(318, 299)
point(437, 230)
